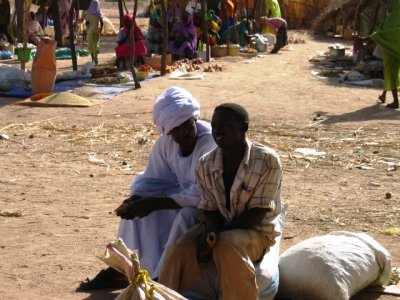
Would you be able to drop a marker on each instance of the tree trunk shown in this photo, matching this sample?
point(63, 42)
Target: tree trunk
point(19, 7)
point(71, 35)
point(121, 13)
point(165, 37)
point(205, 28)
point(57, 24)
point(132, 56)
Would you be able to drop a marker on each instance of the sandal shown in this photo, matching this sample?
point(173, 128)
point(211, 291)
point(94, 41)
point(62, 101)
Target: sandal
point(393, 105)
point(382, 98)
point(105, 279)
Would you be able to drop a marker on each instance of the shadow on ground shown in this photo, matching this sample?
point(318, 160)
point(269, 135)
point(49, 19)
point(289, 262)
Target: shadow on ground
point(374, 112)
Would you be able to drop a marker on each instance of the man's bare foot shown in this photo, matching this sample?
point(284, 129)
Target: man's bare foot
point(393, 105)
point(382, 98)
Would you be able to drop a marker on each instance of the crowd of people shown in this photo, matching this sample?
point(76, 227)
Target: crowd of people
point(184, 27)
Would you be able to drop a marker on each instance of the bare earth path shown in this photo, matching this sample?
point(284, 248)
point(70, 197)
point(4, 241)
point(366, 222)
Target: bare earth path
point(67, 201)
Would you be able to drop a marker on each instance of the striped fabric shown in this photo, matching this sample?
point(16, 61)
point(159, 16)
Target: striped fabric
point(257, 184)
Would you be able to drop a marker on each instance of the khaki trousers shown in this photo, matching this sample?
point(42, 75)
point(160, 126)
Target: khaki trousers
point(233, 255)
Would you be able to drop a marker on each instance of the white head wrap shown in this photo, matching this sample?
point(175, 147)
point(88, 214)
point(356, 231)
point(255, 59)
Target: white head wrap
point(173, 107)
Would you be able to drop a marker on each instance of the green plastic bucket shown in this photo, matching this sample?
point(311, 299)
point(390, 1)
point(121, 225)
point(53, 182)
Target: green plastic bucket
point(28, 55)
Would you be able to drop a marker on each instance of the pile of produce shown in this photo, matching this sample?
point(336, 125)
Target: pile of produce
point(110, 71)
point(145, 68)
point(108, 80)
point(213, 68)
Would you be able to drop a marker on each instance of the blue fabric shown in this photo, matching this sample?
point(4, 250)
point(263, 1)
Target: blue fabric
point(107, 92)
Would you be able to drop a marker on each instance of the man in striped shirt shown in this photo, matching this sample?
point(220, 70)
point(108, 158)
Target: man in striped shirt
point(240, 187)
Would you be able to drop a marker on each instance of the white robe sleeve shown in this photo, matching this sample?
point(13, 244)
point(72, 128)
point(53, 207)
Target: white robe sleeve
point(190, 196)
point(158, 179)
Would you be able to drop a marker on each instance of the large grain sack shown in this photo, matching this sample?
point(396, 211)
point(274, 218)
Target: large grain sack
point(141, 287)
point(333, 267)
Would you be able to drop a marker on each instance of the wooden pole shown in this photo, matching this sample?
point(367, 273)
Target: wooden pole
point(132, 56)
point(126, 9)
point(121, 13)
point(205, 28)
point(165, 37)
point(228, 30)
point(71, 35)
point(57, 23)
point(26, 8)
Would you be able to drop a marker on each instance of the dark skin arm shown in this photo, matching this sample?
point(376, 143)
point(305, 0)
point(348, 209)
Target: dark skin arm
point(135, 206)
point(247, 220)
point(101, 24)
point(214, 222)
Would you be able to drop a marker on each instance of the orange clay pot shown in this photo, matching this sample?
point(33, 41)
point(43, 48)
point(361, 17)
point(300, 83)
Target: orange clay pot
point(44, 69)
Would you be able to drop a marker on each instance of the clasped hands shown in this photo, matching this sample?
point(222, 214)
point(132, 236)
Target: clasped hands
point(136, 206)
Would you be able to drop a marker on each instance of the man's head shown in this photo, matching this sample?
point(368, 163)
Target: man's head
point(175, 113)
point(229, 124)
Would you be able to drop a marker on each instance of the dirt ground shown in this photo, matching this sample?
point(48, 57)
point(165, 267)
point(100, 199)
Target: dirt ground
point(67, 201)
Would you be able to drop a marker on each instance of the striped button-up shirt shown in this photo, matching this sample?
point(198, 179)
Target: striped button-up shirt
point(257, 183)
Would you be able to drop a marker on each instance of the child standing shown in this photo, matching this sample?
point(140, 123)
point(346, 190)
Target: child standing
point(94, 23)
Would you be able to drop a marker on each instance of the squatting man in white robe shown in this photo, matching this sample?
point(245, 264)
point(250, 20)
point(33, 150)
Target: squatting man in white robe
point(164, 197)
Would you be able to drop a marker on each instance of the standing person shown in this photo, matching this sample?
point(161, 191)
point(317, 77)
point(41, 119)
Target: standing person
point(240, 187)
point(388, 37)
point(5, 20)
point(124, 40)
point(94, 22)
point(164, 197)
point(277, 26)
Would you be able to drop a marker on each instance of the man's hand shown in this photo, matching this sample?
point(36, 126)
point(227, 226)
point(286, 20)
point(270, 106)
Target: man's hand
point(136, 207)
point(205, 243)
point(141, 207)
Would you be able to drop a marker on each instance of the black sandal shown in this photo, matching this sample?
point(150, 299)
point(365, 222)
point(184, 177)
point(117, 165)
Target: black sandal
point(105, 279)
point(393, 105)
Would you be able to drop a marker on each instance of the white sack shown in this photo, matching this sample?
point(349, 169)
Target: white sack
point(333, 267)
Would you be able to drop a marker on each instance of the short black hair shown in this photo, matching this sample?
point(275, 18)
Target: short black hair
point(238, 111)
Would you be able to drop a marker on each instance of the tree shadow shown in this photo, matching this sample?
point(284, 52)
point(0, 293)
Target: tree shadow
point(374, 112)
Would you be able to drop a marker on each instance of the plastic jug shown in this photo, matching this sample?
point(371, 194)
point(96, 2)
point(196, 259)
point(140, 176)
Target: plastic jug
point(44, 69)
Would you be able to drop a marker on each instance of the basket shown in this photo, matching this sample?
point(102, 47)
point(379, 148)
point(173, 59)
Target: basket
point(155, 61)
point(233, 50)
point(219, 51)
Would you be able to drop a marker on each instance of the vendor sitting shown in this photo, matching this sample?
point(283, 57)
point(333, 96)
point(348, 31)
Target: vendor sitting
point(278, 26)
point(123, 51)
point(35, 31)
point(183, 39)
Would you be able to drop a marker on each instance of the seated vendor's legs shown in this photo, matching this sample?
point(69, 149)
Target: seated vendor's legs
point(180, 269)
point(186, 219)
point(239, 248)
point(34, 39)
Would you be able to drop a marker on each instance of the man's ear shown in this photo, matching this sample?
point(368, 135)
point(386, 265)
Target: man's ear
point(245, 126)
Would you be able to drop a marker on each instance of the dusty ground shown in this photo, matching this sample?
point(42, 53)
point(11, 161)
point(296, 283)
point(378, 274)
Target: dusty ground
point(67, 201)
